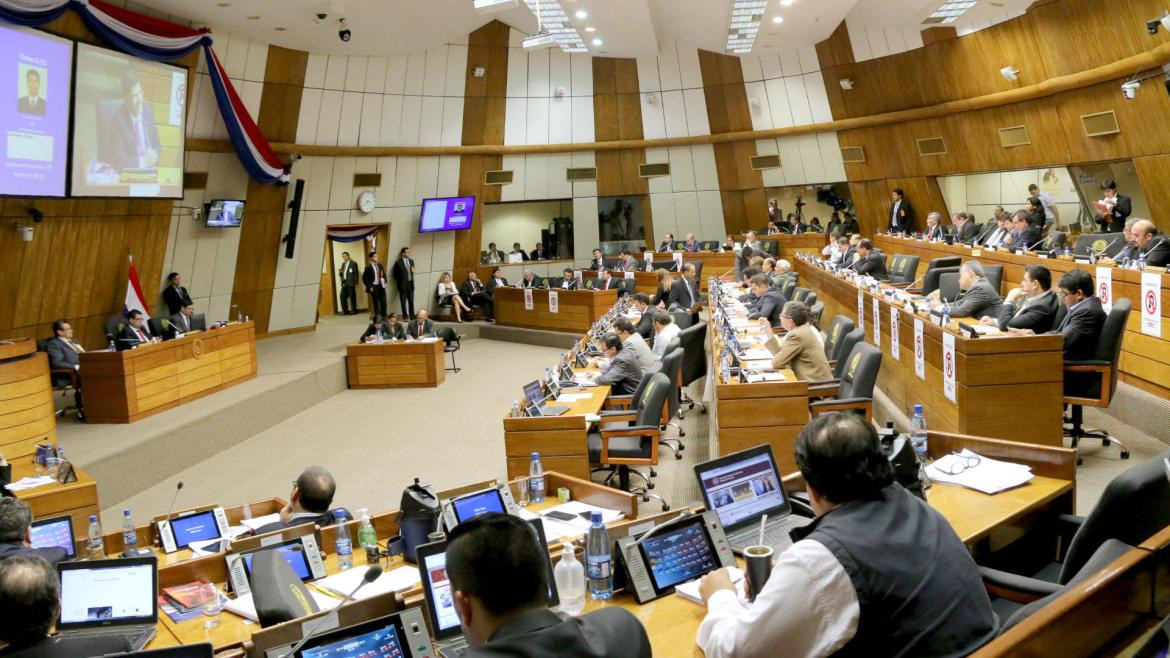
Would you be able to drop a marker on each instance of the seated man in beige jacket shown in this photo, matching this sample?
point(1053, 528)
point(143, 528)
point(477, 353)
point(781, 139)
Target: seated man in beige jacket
point(802, 348)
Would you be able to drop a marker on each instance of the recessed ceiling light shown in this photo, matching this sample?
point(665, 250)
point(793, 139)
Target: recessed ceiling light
point(280, 29)
point(596, 42)
point(777, 19)
point(590, 29)
point(785, 3)
point(581, 13)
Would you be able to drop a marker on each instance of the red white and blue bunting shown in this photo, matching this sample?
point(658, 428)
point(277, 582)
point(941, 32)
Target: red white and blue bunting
point(158, 40)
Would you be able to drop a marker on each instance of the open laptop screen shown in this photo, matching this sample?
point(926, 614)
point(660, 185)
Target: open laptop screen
point(293, 552)
point(56, 531)
point(532, 392)
point(199, 526)
point(108, 593)
point(742, 486)
point(481, 502)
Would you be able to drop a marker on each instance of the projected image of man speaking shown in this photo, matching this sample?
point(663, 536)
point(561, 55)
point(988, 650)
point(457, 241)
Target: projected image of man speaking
point(128, 136)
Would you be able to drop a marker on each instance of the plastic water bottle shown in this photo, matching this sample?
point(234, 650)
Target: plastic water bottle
point(918, 439)
point(946, 318)
point(343, 544)
point(570, 577)
point(515, 408)
point(536, 479)
point(94, 544)
point(129, 534)
point(548, 374)
point(599, 560)
point(112, 346)
point(1067, 252)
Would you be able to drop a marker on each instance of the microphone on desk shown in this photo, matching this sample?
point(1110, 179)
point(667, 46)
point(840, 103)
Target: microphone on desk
point(174, 499)
point(985, 232)
point(372, 574)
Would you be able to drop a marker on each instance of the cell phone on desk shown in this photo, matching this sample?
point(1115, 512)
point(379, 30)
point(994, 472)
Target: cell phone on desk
point(558, 515)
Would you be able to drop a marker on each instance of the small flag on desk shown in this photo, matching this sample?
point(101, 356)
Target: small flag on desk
point(135, 300)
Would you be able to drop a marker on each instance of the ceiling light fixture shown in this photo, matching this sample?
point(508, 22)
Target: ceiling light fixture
point(581, 13)
point(597, 42)
point(553, 22)
point(777, 19)
point(493, 6)
point(949, 11)
point(590, 29)
point(744, 25)
point(785, 3)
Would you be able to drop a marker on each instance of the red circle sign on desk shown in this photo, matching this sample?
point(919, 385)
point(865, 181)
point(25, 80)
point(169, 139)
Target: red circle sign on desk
point(918, 345)
point(950, 365)
point(1103, 293)
point(1151, 302)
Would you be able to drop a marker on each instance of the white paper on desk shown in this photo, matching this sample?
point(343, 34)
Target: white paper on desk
point(752, 378)
point(31, 482)
point(259, 521)
point(245, 607)
point(756, 354)
point(690, 589)
point(989, 476)
point(573, 397)
point(985, 330)
point(395, 580)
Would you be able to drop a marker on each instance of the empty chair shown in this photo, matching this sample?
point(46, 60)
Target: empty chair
point(994, 274)
point(770, 246)
point(113, 326)
point(199, 321)
point(904, 269)
point(709, 245)
point(855, 389)
point(815, 312)
point(841, 325)
point(930, 281)
point(157, 328)
point(672, 368)
point(945, 261)
point(694, 364)
point(683, 319)
point(798, 294)
point(810, 299)
point(451, 344)
point(667, 265)
point(788, 289)
point(617, 446)
point(948, 286)
point(1092, 383)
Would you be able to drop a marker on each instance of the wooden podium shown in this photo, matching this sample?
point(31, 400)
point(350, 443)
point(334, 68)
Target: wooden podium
point(396, 364)
point(577, 310)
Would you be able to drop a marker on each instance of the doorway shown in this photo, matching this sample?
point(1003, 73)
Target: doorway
point(358, 240)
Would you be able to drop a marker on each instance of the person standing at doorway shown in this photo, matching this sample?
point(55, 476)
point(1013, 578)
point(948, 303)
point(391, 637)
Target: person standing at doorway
point(404, 281)
point(349, 278)
point(374, 278)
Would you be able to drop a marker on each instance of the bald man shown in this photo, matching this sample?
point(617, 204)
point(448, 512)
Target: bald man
point(1151, 247)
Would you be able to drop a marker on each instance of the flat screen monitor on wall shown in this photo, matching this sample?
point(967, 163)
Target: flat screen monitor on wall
point(36, 74)
point(446, 214)
point(127, 126)
point(225, 213)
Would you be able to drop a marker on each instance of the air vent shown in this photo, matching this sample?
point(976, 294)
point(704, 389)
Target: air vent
point(498, 177)
point(852, 154)
point(580, 174)
point(1100, 124)
point(1014, 136)
point(765, 162)
point(195, 180)
point(652, 169)
point(932, 146)
point(367, 180)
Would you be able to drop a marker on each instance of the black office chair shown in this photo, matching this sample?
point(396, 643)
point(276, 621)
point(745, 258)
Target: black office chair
point(1134, 506)
point(672, 368)
point(619, 444)
point(451, 344)
point(854, 390)
point(930, 281)
point(815, 312)
point(114, 326)
point(788, 289)
point(158, 326)
point(1093, 382)
point(678, 245)
point(667, 265)
point(693, 340)
point(199, 321)
point(841, 325)
point(848, 341)
point(810, 300)
point(709, 245)
point(683, 319)
point(1101, 244)
point(948, 286)
point(770, 246)
point(994, 274)
point(798, 294)
point(904, 270)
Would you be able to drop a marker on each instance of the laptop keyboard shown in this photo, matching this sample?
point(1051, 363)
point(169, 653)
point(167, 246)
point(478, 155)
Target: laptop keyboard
point(455, 649)
point(552, 410)
point(137, 639)
point(775, 534)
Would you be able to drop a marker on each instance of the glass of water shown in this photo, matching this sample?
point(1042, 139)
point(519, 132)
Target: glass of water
point(522, 488)
point(212, 606)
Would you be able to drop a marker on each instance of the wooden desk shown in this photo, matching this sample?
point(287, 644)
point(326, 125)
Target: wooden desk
point(395, 364)
point(562, 441)
point(646, 282)
point(1005, 387)
point(26, 399)
point(1145, 360)
point(78, 499)
point(577, 309)
point(122, 387)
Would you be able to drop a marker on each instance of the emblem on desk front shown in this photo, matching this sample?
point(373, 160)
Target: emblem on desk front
point(197, 348)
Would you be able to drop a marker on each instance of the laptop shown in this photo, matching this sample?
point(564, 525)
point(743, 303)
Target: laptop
point(54, 531)
point(445, 626)
point(742, 487)
point(109, 598)
point(534, 394)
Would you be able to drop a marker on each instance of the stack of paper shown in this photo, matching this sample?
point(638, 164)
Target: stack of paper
point(756, 353)
point(396, 580)
point(690, 589)
point(31, 482)
point(764, 377)
point(989, 475)
point(259, 521)
point(245, 607)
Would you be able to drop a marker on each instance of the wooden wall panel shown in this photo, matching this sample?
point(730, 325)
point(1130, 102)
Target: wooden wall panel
point(837, 49)
point(617, 115)
point(483, 123)
point(872, 199)
point(741, 189)
point(1154, 174)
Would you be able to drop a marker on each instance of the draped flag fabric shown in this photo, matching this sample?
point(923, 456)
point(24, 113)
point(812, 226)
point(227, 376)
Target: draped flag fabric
point(135, 300)
point(351, 233)
point(158, 40)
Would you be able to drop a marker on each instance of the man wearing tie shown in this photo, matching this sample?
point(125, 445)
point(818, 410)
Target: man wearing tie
point(901, 214)
point(349, 276)
point(33, 103)
point(933, 228)
point(404, 281)
point(421, 327)
point(474, 294)
point(65, 354)
point(374, 278)
point(529, 280)
point(181, 321)
point(684, 292)
point(605, 281)
point(175, 293)
point(538, 253)
point(598, 262)
point(134, 333)
point(667, 242)
point(127, 133)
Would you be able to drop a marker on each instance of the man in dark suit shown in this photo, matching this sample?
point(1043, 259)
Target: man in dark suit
point(1151, 248)
point(175, 293)
point(1081, 329)
point(30, 598)
point(606, 281)
point(404, 280)
point(181, 322)
point(15, 538)
point(538, 253)
point(684, 292)
point(127, 134)
point(497, 281)
point(65, 354)
point(743, 259)
point(997, 236)
point(134, 333)
point(901, 214)
point(619, 367)
point(474, 294)
point(568, 281)
point(965, 229)
point(309, 502)
point(691, 245)
point(667, 244)
point(1024, 235)
point(977, 298)
point(598, 262)
point(530, 280)
point(795, 226)
point(349, 278)
point(934, 229)
point(374, 279)
point(421, 326)
point(377, 331)
point(32, 103)
point(499, 589)
point(771, 301)
point(1031, 306)
point(645, 326)
point(870, 260)
point(1116, 209)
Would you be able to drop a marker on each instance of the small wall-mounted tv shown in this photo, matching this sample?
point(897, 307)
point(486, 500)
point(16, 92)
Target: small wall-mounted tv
point(446, 214)
point(225, 213)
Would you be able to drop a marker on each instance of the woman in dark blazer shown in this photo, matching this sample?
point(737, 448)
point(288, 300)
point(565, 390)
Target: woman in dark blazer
point(662, 294)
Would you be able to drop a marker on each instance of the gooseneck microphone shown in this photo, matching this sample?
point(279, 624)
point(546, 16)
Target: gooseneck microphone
point(372, 574)
point(174, 499)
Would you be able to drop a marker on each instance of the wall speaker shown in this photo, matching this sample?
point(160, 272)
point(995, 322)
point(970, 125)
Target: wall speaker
point(652, 169)
point(760, 162)
point(1099, 124)
point(852, 154)
point(290, 238)
point(580, 174)
point(1014, 136)
point(498, 177)
point(932, 146)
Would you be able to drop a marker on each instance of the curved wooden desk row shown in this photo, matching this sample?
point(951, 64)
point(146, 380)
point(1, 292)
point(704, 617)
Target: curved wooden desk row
point(1145, 360)
point(26, 399)
point(122, 387)
point(1005, 387)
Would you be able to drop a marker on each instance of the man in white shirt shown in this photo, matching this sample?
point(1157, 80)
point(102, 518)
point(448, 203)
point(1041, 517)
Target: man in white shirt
point(836, 249)
point(665, 330)
point(1003, 228)
point(843, 586)
point(1051, 212)
point(633, 341)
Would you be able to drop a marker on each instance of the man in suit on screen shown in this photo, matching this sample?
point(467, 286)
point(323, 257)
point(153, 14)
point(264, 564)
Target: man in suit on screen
point(127, 135)
point(32, 103)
